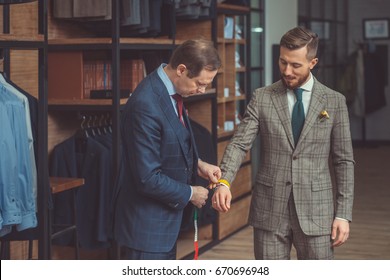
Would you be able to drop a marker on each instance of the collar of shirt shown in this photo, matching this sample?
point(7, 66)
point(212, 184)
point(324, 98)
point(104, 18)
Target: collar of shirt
point(168, 84)
point(306, 95)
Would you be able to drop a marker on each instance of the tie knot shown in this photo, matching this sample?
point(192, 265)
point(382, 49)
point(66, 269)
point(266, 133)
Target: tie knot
point(177, 98)
point(298, 93)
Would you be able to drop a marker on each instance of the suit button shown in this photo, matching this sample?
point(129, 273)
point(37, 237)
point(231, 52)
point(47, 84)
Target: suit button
point(288, 183)
point(295, 157)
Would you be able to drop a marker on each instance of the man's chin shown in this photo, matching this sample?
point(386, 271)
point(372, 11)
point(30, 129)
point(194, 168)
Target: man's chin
point(289, 84)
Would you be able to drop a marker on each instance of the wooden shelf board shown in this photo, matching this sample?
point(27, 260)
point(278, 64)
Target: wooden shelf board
point(221, 100)
point(12, 37)
point(76, 102)
point(105, 40)
point(240, 41)
point(241, 97)
point(233, 8)
point(60, 184)
point(221, 40)
point(223, 133)
point(151, 41)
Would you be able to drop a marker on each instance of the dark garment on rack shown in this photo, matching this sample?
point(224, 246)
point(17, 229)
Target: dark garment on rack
point(130, 12)
point(92, 200)
point(146, 18)
point(82, 9)
point(193, 9)
point(346, 83)
point(374, 80)
point(150, 20)
point(237, 2)
point(99, 9)
point(155, 18)
point(63, 9)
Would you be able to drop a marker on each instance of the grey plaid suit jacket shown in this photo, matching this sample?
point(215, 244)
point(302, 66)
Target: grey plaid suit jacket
point(324, 147)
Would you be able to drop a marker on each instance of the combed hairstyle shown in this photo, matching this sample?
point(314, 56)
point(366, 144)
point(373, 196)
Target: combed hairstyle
point(196, 55)
point(299, 37)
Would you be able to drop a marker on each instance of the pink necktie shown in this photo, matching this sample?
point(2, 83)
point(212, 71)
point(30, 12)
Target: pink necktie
point(179, 106)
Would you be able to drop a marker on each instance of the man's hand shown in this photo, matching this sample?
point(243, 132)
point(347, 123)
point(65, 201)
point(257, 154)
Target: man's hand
point(340, 232)
point(221, 199)
point(209, 172)
point(199, 196)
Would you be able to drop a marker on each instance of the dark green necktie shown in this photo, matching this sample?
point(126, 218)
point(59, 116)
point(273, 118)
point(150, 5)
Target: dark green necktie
point(298, 115)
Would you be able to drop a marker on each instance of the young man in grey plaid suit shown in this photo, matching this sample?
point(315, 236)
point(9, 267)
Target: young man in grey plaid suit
point(294, 201)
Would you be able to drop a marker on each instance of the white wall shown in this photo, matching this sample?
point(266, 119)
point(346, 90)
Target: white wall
point(280, 16)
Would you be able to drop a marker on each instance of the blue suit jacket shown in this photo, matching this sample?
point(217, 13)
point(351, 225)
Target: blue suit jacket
point(159, 161)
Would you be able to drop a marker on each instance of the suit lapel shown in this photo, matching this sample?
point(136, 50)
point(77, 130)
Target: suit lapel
point(166, 106)
point(317, 102)
point(279, 100)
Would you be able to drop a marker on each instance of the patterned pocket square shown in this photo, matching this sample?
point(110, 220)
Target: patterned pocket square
point(324, 115)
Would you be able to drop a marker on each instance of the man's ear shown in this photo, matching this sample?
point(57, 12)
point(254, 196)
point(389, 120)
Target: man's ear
point(313, 63)
point(180, 69)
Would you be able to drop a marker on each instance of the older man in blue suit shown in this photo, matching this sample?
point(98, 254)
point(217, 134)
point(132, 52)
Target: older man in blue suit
point(160, 158)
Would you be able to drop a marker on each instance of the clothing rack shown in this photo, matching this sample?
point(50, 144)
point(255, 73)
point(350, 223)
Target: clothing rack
point(42, 172)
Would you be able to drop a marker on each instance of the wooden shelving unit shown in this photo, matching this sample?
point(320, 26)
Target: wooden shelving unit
point(232, 91)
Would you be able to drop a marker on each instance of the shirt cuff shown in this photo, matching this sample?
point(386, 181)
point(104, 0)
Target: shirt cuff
point(342, 219)
point(192, 191)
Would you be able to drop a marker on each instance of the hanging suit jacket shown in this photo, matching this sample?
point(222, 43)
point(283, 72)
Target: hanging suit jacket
point(159, 161)
point(90, 161)
point(302, 170)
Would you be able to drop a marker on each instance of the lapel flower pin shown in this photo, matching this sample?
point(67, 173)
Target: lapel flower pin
point(324, 115)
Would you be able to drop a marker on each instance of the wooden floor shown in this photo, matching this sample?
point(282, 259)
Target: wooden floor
point(370, 229)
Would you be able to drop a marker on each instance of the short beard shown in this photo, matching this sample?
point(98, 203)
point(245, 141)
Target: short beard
point(300, 81)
